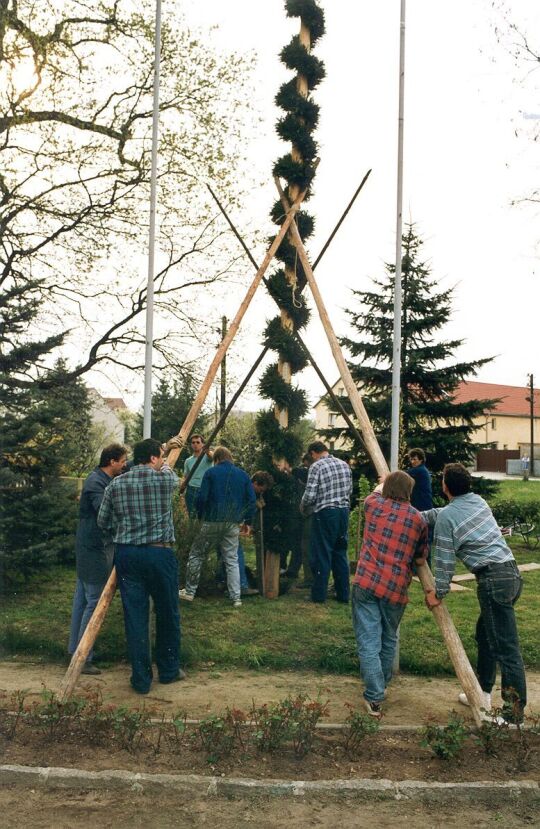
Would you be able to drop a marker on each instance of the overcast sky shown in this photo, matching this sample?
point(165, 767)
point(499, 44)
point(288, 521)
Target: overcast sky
point(465, 100)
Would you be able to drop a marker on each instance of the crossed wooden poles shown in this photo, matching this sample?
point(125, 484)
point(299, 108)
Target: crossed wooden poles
point(442, 616)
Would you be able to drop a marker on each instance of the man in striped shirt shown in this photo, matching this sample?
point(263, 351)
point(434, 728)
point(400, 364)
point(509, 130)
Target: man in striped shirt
point(137, 509)
point(327, 497)
point(466, 529)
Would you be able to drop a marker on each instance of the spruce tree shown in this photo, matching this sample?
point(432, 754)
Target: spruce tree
point(430, 416)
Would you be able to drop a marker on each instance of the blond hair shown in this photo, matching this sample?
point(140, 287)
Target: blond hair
point(221, 453)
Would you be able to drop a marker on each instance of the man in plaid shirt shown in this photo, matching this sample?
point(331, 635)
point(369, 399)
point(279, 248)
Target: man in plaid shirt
point(137, 510)
point(327, 497)
point(395, 535)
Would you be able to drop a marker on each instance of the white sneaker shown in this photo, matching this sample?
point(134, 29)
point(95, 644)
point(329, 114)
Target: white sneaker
point(237, 603)
point(186, 597)
point(485, 696)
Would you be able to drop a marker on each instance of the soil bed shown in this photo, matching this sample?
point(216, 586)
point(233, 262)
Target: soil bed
point(392, 755)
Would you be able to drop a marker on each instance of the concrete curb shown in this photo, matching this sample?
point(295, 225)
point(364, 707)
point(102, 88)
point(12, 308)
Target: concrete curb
point(524, 791)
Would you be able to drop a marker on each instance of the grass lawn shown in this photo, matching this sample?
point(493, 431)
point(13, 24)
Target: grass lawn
point(517, 490)
point(286, 633)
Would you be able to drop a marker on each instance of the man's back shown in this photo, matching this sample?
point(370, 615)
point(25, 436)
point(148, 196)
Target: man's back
point(226, 494)
point(137, 506)
point(394, 535)
point(329, 484)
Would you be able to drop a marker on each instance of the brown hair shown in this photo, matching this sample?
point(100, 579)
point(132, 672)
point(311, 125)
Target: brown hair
point(262, 479)
point(417, 453)
point(113, 452)
point(398, 486)
point(458, 480)
point(221, 453)
point(196, 435)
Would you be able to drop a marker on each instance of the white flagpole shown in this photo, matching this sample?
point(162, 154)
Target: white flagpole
point(147, 423)
point(396, 361)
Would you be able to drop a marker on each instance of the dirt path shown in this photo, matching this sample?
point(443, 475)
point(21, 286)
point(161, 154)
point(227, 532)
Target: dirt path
point(40, 809)
point(411, 699)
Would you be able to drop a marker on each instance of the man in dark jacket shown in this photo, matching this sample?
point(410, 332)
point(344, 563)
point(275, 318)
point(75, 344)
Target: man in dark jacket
point(421, 498)
point(94, 553)
point(226, 500)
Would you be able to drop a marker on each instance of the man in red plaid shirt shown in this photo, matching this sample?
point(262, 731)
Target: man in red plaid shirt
point(395, 536)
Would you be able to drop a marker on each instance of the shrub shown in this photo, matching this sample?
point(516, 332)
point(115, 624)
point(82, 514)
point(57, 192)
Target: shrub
point(445, 741)
point(359, 726)
point(509, 510)
point(291, 720)
point(491, 736)
point(216, 737)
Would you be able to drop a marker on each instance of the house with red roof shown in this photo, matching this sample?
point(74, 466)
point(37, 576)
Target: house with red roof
point(506, 427)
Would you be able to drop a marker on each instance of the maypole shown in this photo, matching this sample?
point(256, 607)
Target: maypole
point(281, 447)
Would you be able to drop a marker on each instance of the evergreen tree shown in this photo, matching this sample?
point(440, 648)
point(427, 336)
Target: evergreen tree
point(44, 433)
point(430, 416)
point(171, 403)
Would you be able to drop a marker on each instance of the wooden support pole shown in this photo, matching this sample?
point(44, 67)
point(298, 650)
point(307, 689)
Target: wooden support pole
point(335, 400)
point(456, 651)
point(88, 638)
point(372, 445)
point(235, 324)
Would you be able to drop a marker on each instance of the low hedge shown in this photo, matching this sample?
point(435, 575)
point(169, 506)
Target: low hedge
point(509, 510)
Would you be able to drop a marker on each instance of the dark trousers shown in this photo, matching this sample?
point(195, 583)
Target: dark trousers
point(145, 571)
point(498, 589)
point(328, 552)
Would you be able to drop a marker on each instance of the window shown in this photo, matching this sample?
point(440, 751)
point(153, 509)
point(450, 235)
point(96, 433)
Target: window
point(332, 419)
point(493, 423)
point(332, 445)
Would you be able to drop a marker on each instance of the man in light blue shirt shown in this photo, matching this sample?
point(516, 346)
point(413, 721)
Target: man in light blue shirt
point(466, 529)
point(194, 484)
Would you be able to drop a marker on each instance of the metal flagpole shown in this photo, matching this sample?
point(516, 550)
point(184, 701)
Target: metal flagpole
point(396, 361)
point(147, 423)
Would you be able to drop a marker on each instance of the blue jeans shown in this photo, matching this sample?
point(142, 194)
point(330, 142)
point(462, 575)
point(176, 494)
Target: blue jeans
point(498, 589)
point(190, 497)
point(375, 623)
point(244, 583)
point(328, 552)
point(145, 571)
point(85, 599)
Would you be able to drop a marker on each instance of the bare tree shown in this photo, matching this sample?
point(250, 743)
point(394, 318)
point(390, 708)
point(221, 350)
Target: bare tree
point(75, 116)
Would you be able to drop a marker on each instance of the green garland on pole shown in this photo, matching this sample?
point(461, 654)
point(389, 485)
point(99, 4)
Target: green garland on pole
point(297, 169)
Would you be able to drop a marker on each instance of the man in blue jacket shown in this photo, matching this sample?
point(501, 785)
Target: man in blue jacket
point(94, 552)
point(421, 498)
point(226, 500)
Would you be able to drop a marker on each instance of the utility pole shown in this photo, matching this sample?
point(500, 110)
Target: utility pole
point(531, 423)
point(223, 383)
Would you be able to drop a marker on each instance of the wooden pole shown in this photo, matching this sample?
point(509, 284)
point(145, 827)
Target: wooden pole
point(229, 336)
point(457, 654)
point(88, 638)
point(366, 428)
point(456, 651)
